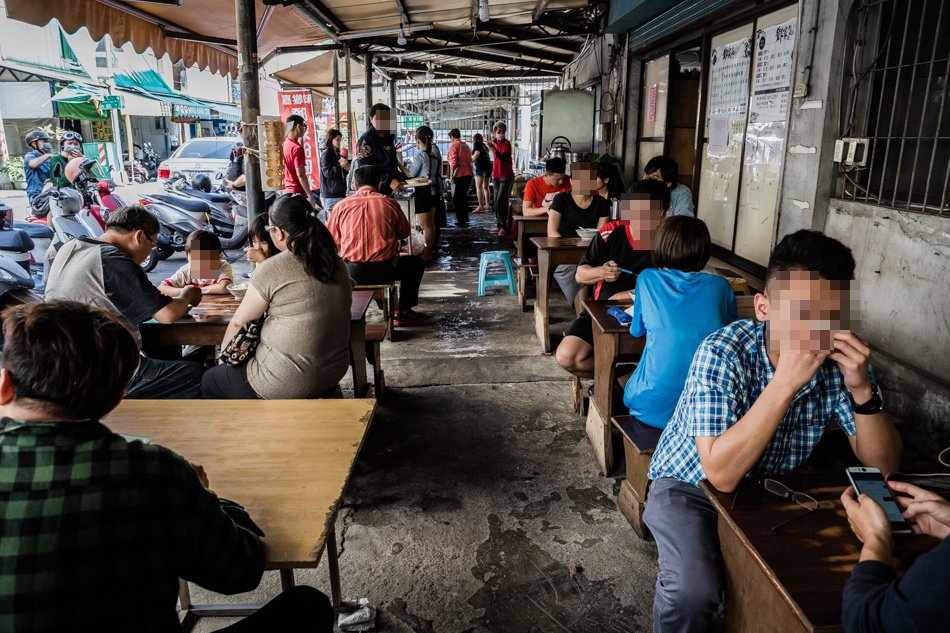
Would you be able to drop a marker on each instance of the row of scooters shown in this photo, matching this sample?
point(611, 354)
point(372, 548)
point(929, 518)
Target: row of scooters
point(27, 249)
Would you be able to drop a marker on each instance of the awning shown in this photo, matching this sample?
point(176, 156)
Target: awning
point(151, 85)
point(317, 73)
point(25, 100)
point(80, 101)
point(229, 113)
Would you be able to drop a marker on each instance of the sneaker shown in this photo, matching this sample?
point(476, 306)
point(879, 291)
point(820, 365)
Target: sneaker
point(407, 317)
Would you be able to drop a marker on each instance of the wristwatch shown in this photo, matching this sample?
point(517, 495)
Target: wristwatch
point(872, 406)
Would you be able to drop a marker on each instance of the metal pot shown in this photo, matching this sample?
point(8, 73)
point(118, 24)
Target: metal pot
point(577, 157)
point(559, 149)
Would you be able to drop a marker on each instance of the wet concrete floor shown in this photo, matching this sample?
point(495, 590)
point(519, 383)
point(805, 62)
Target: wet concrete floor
point(476, 504)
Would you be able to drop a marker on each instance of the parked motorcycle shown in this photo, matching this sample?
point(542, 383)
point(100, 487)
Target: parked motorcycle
point(220, 211)
point(24, 243)
point(177, 224)
point(150, 162)
point(16, 287)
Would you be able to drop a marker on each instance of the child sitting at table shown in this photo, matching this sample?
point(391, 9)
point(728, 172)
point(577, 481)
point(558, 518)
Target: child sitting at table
point(206, 268)
point(676, 307)
point(261, 246)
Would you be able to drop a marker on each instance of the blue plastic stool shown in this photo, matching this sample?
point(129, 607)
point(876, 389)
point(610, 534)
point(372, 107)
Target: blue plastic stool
point(490, 281)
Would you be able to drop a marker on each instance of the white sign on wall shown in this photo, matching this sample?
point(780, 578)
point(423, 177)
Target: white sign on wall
point(771, 84)
point(729, 80)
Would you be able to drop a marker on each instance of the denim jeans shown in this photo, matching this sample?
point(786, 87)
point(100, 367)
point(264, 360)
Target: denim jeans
point(502, 195)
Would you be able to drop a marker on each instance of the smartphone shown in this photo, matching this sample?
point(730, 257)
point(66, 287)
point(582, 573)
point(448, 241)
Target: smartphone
point(870, 482)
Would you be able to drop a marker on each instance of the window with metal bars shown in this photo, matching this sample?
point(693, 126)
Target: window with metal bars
point(895, 96)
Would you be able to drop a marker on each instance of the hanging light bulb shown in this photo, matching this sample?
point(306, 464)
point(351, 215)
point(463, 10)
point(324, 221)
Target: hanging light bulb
point(483, 14)
point(401, 39)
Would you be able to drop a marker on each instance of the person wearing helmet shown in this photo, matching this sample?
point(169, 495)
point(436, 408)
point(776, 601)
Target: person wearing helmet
point(202, 182)
point(70, 147)
point(234, 179)
point(36, 162)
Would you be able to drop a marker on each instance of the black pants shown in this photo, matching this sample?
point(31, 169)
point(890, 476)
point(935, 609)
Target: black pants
point(166, 379)
point(502, 196)
point(460, 198)
point(299, 608)
point(225, 382)
point(407, 271)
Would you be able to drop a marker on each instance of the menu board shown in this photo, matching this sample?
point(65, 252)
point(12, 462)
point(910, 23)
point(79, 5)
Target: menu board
point(771, 85)
point(729, 80)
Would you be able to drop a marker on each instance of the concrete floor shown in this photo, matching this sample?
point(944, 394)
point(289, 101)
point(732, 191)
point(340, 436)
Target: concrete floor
point(476, 504)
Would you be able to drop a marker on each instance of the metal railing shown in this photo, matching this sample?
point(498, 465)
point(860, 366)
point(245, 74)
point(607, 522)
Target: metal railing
point(895, 95)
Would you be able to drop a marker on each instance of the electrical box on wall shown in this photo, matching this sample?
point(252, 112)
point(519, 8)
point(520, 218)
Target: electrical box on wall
point(851, 151)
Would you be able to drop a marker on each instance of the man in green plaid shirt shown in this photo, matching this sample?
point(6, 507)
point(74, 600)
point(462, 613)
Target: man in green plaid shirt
point(96, 530)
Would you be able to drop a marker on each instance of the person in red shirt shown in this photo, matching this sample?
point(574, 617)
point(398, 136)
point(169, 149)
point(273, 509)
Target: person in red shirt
point(295, 168)
point(540, 191)
point(460, 162)
point(504, 176)
point(367, 228)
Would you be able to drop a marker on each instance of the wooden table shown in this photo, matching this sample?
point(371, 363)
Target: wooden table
point(552, 252)
point(287, 462)
point(611, 341)
point(791, 580)
point(208, 321)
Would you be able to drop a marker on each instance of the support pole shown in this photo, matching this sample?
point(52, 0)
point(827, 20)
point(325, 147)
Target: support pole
point(350, 123)
point(392, 104)
point(129, 144)
point(368, 84)
point(336, 90)
point(250, 102)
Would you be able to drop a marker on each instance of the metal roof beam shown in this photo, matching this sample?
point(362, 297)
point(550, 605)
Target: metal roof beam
point(325, 14)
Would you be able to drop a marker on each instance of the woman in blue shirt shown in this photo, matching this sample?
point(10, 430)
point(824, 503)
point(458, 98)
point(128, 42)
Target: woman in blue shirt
point(676, 307)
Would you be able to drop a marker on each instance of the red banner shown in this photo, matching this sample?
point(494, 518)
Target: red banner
point(301, 102)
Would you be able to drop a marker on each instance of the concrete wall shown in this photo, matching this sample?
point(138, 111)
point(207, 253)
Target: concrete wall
point(903, 258)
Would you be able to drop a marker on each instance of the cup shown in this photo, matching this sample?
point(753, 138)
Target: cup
point(345, 152)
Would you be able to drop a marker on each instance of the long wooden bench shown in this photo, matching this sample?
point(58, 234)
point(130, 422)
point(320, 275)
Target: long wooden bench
point(375, 333)
point(387, 298)
point(639, 442)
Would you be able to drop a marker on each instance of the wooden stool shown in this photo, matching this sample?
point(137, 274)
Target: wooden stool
point(375, 333)
point(639, 442)
point(387, 298)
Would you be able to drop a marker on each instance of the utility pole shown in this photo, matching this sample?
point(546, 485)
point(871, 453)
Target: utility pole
point(250, 102)
point(114, 114)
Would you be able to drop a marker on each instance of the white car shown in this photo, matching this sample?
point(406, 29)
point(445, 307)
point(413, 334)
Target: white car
point(209, 156)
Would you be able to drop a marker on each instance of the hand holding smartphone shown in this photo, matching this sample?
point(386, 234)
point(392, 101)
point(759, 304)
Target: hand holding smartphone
point(870, 482)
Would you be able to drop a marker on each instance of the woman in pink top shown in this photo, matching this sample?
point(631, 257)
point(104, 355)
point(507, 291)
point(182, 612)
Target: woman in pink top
point(503, 175)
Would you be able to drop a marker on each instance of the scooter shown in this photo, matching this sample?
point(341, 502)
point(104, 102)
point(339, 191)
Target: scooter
point(16, 287)
point(177, 225)
point(218, 210)
point(150, 162)
point(29, 253)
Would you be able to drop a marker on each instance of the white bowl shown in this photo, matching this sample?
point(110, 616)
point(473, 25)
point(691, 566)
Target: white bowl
point(238, 290)
point(586, 233)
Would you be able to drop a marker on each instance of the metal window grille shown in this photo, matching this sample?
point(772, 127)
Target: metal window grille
point(897, 67)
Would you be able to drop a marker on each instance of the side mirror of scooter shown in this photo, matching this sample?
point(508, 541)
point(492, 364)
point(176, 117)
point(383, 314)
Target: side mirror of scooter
point(219, 176)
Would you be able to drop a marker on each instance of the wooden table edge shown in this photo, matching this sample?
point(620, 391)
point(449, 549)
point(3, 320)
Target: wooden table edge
point(709, 490)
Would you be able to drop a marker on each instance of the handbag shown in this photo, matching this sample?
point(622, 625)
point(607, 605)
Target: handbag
point(243, 344)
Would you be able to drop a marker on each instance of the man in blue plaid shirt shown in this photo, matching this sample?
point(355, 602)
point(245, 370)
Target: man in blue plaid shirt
point(86, 512)
point(758, 396)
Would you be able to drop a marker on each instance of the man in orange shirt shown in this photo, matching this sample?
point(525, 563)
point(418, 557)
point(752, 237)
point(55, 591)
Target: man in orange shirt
point(367, 227)
point(540, 191)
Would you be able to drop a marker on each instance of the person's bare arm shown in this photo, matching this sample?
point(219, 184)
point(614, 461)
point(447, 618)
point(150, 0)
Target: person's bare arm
point(239, 181)
point(530, 211)
point(219, 288)
point(39, 160)
point(305, 184)
point(179, 307)
point(727, 458)
point(253, 306)
point(601, 222)
point(554, 223)
point(590, 275)
point(169, 291)
point(876, 442)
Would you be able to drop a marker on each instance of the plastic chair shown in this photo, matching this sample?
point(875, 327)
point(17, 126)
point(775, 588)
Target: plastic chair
point(490, 281)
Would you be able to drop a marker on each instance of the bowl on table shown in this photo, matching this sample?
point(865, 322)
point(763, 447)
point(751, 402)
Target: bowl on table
point(587, 234)
point(238, 290)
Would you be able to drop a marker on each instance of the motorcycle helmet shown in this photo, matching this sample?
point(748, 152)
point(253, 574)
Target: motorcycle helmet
point(75, 167)
point(202, 182)
point(35, 135)
point(70, 200)
point(70, 136)
point(237, 147)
